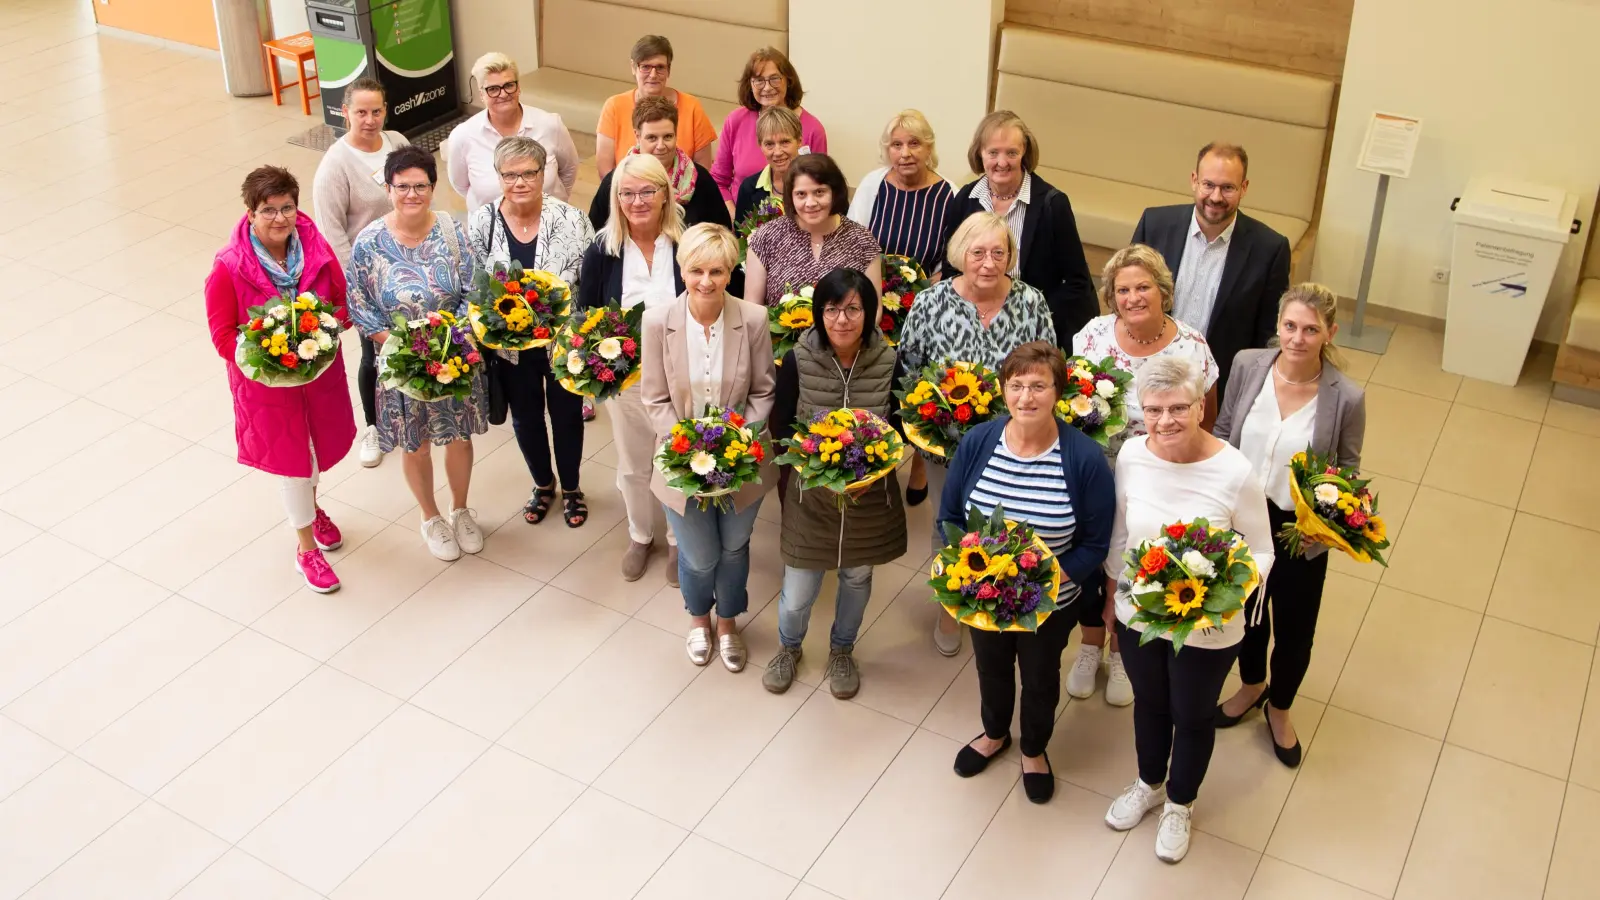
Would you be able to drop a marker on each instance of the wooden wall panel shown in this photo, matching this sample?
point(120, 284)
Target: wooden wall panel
point(1299, 35)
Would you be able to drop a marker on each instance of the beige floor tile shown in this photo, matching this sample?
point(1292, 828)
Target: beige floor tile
point(53, 817)
point(1214, 868)
point(37, 569)
point(1092, 746)
point(807, 892)
point(39, 445)
point(1478, 842)
point(1345, 601)
point(196, 412)
point(28, 401)
point(1522, 698)
point(909, 674)
point(883, 850)
point(600, 848)
point(1526, 400)
point(1483, 455)
point(1277, 880)
point(147, 856)
point(761, 634)
point(1572, 417)
point(178, 724)
point(1395, 678)
point(86, 477)
point(462, 840)
point(1402, 429)
point(1544, 562)
point(1246, 787)
point(240, 876)
point(205, 536)
point(144, 504)
point(1412, 363)
point(23, 756)
point(804, 773)
point(616, 692)
point(1586, 757)
point(1070, 831)
point(1451, 549)
point(1558, 486)
point(1571, 866)
point(543, 551)
point(1356, 801)
point(381, 491)
point(334, 823)
point(683, 876)
point(492, 685)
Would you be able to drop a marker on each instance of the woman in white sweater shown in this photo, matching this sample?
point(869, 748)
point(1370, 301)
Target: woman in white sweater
point(1177, 472)
point(347, 194)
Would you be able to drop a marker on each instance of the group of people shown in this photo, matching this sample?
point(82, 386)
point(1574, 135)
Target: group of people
point(1233, 370)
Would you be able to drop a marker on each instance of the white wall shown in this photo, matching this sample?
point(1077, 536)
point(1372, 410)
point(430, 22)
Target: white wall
point(510, 26)
point(862, 62)
point(1503, 89)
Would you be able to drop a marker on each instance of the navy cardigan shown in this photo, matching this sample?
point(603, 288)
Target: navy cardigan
point(1094, 498)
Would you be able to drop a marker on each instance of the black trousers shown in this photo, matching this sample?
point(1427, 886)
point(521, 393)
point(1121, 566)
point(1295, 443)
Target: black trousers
point(1294, 596)
point(1174, 704)
point(532, 391)
point(367, 380)
point(1091, 605)
point(1000, 656)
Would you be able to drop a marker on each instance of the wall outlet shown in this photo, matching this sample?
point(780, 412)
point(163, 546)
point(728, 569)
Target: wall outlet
point(1441, 275)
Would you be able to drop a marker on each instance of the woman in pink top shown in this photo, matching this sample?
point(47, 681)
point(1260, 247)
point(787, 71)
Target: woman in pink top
point(769, 79)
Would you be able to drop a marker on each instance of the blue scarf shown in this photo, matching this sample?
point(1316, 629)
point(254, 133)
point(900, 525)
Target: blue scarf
point(285, 277)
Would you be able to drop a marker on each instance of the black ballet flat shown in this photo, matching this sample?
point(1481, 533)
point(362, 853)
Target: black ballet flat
point(915, 496)
point(1040, 786)
point(1289, 756)
point(1223, 720)
point(970, 762)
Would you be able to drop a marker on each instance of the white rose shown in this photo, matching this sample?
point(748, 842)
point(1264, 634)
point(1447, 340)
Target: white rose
point(1080, 405)
point(1105, 388)
point(703, 463)
point(1197, 564)
point(574, 362)
point(1101, 406)
point(307, 349)
point(806, 292)
point(328, 321)
point(1327, 493)
point(279, 330)
point(268, 322)
point(279, 312)
point(324, 342)
point(418, 323)
point(1148, 587)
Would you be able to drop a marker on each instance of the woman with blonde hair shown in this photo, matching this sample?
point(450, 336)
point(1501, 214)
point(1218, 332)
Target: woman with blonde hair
point(905, 203)
point(778, 132)
point(768, 80)
point(470, 161)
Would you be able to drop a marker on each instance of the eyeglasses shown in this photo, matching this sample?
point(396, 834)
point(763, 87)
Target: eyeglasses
point(417, 189)
point(769, 81)
point(1228, 190)
point(1177, 411)
point(648, 195)
point(654, 69)
point(850, 313)
point(998, 255)
point(1033, 388)
point(270, 212)
point(501, 90)
point(514, 178)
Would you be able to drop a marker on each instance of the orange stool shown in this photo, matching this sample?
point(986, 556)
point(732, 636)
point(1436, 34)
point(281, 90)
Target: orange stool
point(295, 48)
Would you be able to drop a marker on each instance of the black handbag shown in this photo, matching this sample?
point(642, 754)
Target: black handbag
point(494, 384)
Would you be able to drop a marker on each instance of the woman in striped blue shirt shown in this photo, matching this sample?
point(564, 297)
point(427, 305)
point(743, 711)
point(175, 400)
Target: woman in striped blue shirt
point(1054, 478)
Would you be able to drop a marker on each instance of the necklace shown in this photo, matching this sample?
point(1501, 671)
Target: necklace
point(1005, 198)
point(413, 239)
point(1140, 341)
point(1285, 379)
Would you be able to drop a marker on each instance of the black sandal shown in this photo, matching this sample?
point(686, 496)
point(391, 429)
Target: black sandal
point(538, 506)
point(573, 507)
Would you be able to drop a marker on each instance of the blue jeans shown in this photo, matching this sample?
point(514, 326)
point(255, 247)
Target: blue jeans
point(800, 589)
point(714, 558)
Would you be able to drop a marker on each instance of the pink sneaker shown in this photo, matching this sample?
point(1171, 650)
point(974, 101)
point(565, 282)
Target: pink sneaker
point(319, 575)
point(325, 532)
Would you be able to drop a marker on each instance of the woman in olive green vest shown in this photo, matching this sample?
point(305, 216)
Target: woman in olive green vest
point(841, 361)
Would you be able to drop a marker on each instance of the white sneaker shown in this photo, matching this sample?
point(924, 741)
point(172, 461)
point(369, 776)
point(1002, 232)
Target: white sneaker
point(441, 540)
point(371, 453)
point(1172, 835)
point(1119, 690)
point(468, 535)
point(947, 643)
point(1128, 810)
point(1080, 681)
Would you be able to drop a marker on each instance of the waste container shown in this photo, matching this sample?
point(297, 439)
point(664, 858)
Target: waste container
point(241, 27)
point(1508, 239)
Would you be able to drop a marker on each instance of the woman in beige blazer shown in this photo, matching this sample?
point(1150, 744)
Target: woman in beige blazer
point(1280, 401)
point(709, 349)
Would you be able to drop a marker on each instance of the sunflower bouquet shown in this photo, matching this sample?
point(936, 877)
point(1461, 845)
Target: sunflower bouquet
point(288, 343)
point(842, 450)
point(1096, 399)
point(711, 456)
point(1333, 506)
point(768, 209)
point(995, 575)
point(428, 359)
point(512, 308)
point(787, 318)
point(599, 351)
point(1190, 578)
point(941, 402)
point(903, 280)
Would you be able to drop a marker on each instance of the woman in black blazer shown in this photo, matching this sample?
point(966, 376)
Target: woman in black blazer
point(655, 121)
point(1004, 155)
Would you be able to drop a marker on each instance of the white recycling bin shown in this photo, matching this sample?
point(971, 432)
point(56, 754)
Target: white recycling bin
point(1508, 239)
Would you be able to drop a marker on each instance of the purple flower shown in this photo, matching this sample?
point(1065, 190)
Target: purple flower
point(1094, 419)
point(718, 478)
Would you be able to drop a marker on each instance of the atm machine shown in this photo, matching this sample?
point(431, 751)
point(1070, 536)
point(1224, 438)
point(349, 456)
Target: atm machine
point(406, 44)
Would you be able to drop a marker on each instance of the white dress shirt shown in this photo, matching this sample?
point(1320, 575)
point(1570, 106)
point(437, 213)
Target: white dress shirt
point(1271, 439)
point(647, 283)
point(705, 364)
point(1015, 216)
point(1200, 275)
point(471, 160)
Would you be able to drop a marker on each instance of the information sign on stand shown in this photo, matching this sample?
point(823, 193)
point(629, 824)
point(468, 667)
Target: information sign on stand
point(1389, 150)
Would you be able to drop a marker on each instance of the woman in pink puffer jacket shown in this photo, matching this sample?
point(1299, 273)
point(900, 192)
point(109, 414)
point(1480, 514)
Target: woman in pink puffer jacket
point(291, 432)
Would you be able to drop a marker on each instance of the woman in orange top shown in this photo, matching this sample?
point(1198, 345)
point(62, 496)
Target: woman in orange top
point(652, 65)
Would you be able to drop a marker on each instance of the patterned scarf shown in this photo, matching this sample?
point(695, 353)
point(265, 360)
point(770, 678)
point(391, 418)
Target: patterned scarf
point(683, 175)
point(285, 277)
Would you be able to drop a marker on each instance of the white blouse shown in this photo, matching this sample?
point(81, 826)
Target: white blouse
point(1270, 439)
point(705, 364)
point(643, 284)
point(1098, 340)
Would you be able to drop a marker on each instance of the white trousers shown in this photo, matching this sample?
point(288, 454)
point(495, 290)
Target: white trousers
point(300, 497)
point(635, 441)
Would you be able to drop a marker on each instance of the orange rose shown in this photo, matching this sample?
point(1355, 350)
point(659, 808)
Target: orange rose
point(308, 322)
point(1153, 561)
point(680, 444)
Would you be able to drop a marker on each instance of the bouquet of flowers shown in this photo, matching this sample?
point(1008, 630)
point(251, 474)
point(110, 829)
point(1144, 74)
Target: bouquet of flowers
point(1095, 401)
point(599, 350)
point(1190, 578)
point(768, 209)
point(711, 456)
point(512, 308)
point(1333, 506)
point(428, 359)
point(997, 575)
point(941, 402)
point(289, 343)
point(903, 280)
point(787, 318)
point(843, 450)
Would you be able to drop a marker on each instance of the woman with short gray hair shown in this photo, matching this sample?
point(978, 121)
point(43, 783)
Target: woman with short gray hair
point(470, 160)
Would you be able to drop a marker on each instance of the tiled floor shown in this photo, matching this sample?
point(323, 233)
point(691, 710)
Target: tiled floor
point(178, 718)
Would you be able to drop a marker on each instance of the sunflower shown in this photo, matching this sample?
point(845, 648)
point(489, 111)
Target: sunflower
point(960, 386)
point(1184, 595)
point(1375, 530)
point(796, 318)
point(973, 563)
point(506, 304)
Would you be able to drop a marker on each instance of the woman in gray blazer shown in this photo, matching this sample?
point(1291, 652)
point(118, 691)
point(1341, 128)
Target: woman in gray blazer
point(1278, 402)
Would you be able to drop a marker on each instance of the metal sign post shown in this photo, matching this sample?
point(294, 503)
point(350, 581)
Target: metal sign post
point(1389, 149)
point(1360, 335)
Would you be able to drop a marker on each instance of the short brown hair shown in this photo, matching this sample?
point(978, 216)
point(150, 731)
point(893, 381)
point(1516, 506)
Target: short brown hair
point(654, 109)
point(1224, 151)
point(1036, 355)
point(269, 181)
point(365, 83)
point(791, 98)
point(1002, 118)
point(821, 168)
point(649, 47)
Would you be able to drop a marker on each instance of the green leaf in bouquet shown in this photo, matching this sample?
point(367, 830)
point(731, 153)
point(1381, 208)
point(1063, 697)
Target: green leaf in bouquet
point(953, 534)
point(1029, 621)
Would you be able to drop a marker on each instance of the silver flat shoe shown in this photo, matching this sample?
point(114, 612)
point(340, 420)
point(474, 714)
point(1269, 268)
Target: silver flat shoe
point(731, 648)
point(699, 645)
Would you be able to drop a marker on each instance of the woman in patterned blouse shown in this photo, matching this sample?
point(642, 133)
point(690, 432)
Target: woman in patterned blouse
point(979, 316)
point(812, 239)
